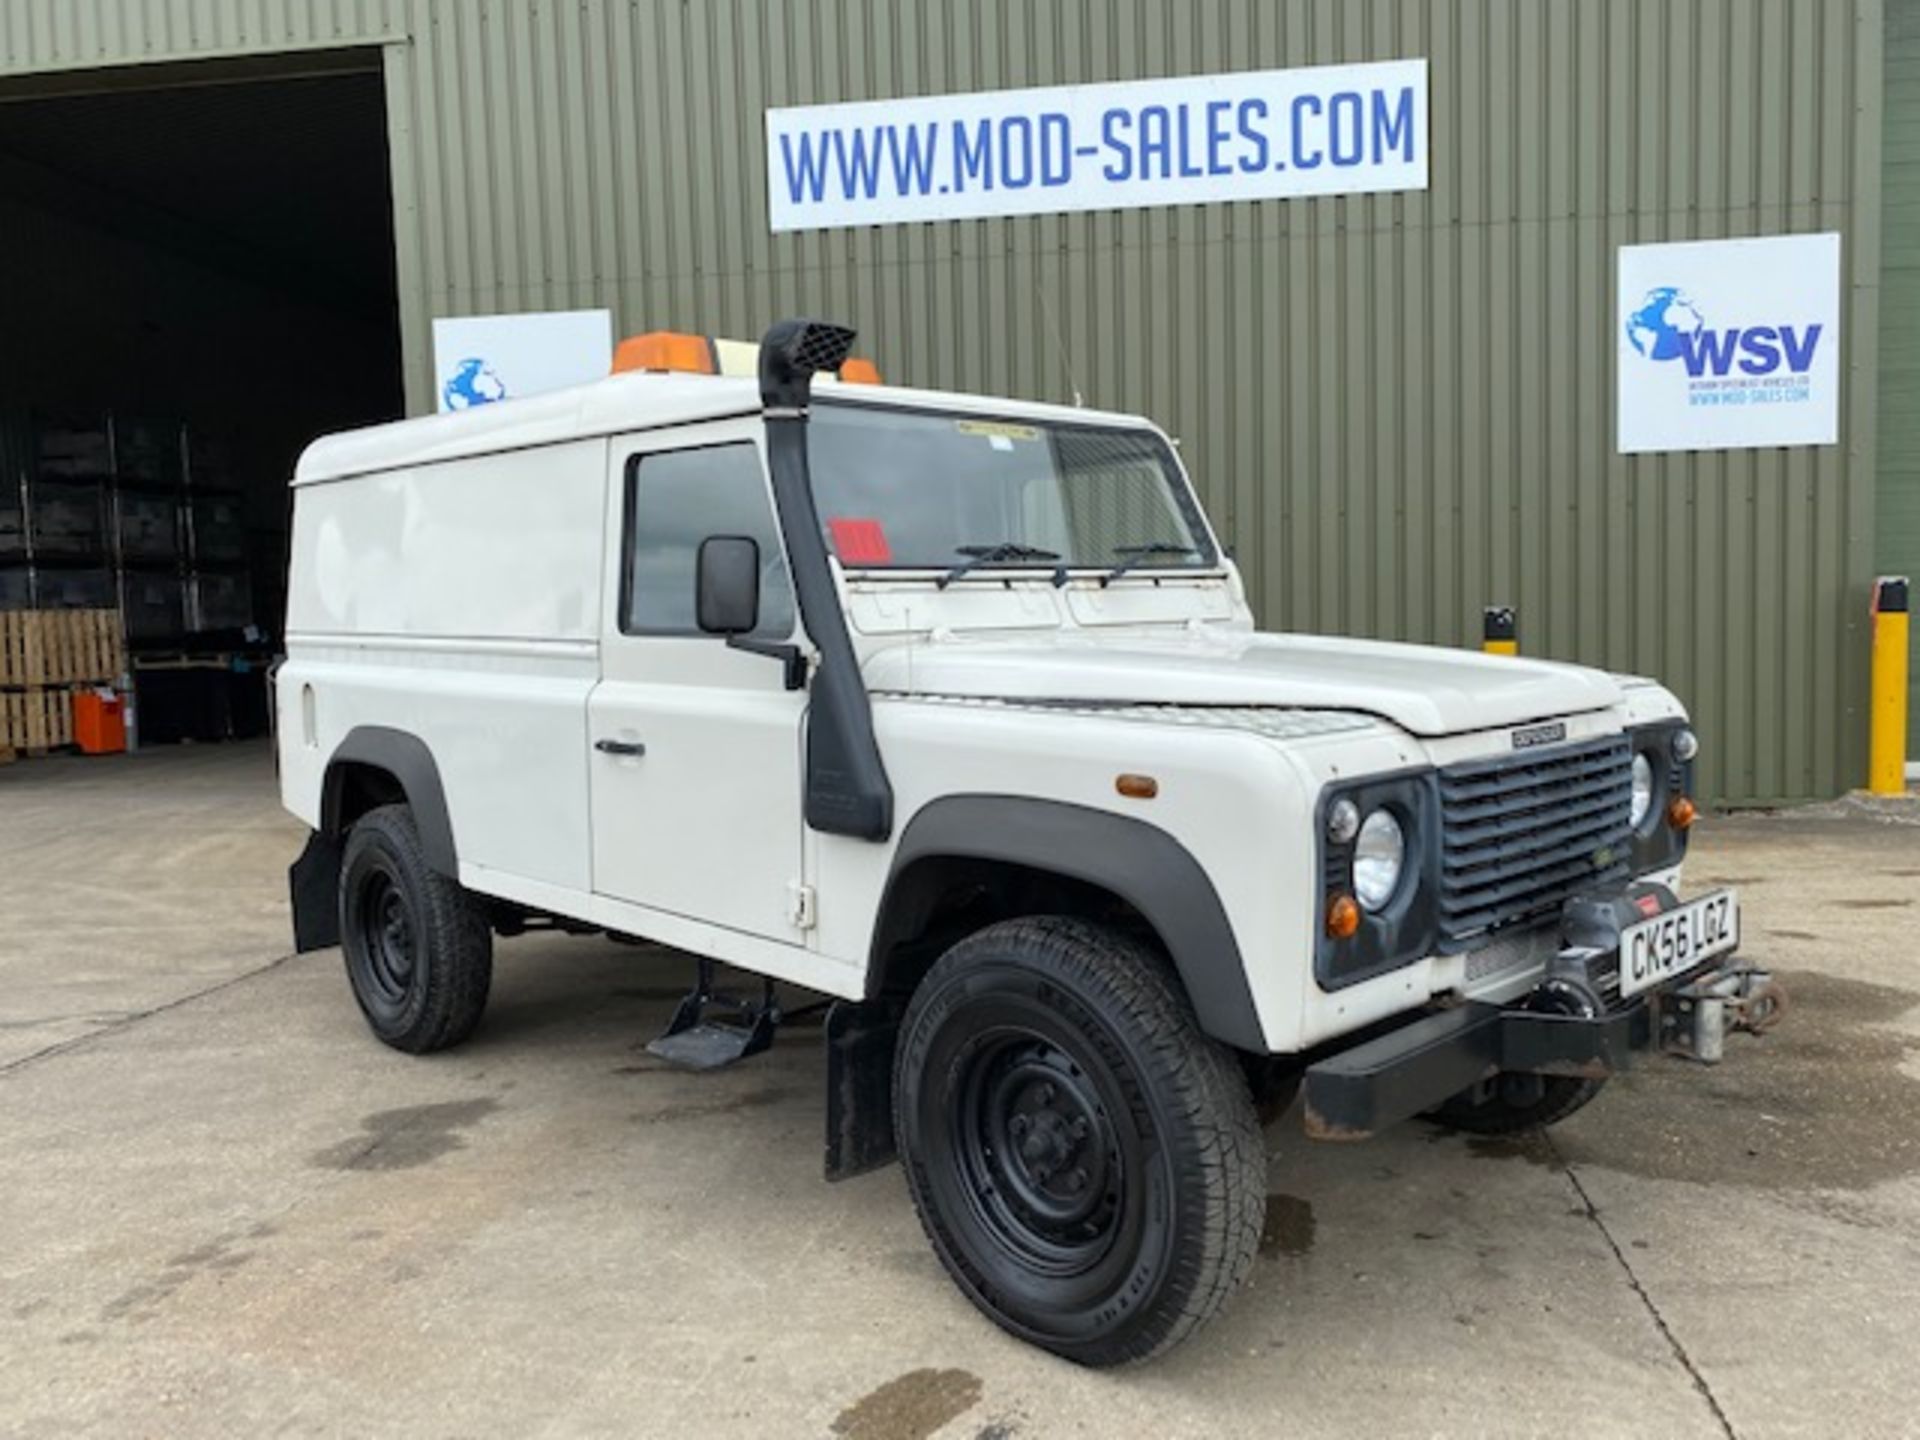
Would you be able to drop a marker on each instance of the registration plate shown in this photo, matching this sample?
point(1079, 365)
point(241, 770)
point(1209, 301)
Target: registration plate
point(1676, 940)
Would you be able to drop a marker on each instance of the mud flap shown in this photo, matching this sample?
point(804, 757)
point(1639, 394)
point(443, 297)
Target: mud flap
point(860, 1044)
point(313, 884)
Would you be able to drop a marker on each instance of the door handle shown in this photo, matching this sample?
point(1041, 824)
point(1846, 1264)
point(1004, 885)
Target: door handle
point(620, 747)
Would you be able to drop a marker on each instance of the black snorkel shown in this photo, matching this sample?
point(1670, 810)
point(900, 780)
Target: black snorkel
point(847, 792)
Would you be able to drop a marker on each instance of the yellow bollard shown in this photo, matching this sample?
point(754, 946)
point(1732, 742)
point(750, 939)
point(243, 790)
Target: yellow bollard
point(1887, 709)
point(1499, 631)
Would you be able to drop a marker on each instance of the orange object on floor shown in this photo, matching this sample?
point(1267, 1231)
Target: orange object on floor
point(99, 722)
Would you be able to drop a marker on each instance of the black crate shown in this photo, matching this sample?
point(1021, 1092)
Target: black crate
point(218, 600)
point(209, 464)
point(65, 520)
point(147, 451)
point(247, 701)
point(149, 527)
point(72, 447)
point(154, 603)
point(219, 530)
point(185, 703)
point(13, 527)
point(56, 587)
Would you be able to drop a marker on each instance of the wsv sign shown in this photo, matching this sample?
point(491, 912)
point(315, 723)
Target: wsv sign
point(1762, 350)
point(1667, 326)
point(1729, 344)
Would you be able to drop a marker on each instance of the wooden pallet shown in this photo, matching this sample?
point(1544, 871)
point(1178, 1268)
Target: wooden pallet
point(184, 660)
point(61, 647)
point(37, 719)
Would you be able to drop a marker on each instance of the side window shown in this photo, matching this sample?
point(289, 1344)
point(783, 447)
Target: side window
point(676, 499)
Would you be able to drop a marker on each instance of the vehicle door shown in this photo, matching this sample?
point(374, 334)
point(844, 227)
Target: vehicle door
point(696, 765)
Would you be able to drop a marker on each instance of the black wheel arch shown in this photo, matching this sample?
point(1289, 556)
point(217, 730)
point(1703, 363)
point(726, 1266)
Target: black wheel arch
point(373, 765)
point(353, 786)
point(1094, 853)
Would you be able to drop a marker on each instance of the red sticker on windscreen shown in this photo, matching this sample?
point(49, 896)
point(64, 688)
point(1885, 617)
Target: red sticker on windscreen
point(859, 541)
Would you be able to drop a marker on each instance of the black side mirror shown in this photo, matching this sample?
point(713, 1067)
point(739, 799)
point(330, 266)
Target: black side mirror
point(727, 585)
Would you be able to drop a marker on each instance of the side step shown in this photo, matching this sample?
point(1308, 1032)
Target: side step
point(694, 1042)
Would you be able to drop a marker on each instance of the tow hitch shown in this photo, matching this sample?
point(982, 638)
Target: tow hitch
point(1694, 1019)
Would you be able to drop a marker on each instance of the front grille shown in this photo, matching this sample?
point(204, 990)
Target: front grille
point(1518, 835)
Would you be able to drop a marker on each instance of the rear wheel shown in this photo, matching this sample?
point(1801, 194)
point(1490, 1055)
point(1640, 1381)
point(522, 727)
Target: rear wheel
point(418, 949)
point(1086, 1163)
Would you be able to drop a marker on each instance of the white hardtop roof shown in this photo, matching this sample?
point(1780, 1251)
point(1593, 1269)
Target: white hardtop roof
point(632, 401)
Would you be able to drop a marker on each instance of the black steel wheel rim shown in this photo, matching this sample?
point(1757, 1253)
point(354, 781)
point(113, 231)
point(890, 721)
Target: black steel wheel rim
point(1042, 1165)
point(388, 936)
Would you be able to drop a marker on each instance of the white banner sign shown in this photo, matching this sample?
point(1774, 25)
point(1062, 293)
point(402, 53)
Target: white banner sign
point(1729, 344)
point(478, 359)
point(1253, 135)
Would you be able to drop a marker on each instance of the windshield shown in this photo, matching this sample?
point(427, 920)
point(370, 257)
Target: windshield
point(910, 490)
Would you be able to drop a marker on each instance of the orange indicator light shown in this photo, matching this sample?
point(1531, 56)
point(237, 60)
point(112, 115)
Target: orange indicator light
point(1343, 917)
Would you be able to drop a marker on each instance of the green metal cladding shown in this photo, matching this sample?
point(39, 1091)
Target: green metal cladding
point(1399, 407)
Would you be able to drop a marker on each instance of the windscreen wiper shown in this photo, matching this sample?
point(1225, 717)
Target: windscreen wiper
point(1137, 555)
point(978, 555)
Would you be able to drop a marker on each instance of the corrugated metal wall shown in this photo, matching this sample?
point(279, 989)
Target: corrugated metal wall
point(41, 35)
point(1399, 407)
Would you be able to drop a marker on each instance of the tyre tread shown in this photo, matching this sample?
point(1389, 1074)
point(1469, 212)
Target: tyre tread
point(1222, 1153)
point(454, 932)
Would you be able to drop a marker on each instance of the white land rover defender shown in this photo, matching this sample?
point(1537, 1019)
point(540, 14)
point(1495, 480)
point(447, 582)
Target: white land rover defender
point(953, 709)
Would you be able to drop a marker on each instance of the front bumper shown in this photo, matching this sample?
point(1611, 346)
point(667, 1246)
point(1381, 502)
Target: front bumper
point(1420, 1062)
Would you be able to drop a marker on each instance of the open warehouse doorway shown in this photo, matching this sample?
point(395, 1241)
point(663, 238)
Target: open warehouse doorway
point(199, 279)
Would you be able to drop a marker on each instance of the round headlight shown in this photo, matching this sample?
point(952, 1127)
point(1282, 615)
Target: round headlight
point(1642, 788)
point(1686, 745)
point(1343, 821)
point(1378, 858)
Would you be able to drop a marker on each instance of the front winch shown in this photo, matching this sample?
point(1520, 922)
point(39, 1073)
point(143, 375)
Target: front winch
point(1694, 1019)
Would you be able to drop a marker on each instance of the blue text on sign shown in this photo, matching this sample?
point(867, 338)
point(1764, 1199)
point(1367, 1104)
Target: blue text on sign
point(1197, 140)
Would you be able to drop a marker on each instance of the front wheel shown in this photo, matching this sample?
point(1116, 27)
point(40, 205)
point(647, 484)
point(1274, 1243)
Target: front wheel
point(1087, 1164)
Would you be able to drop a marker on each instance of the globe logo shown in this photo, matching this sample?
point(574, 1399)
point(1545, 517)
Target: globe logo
point(473, 383)
point(1662, 323)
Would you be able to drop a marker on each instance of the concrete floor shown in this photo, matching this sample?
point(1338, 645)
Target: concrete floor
point(227, 1210)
